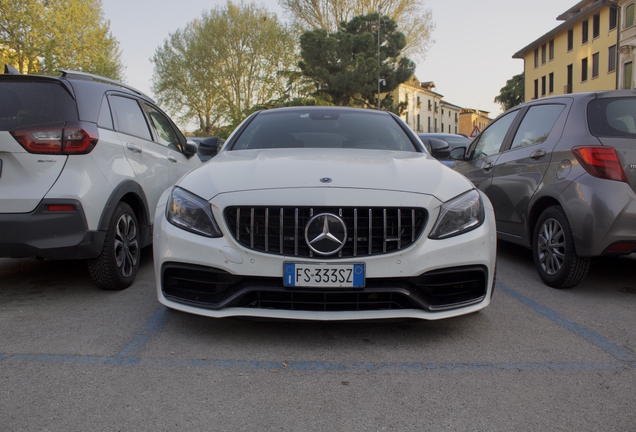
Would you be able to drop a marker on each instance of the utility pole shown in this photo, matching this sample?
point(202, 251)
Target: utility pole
point(379, 23)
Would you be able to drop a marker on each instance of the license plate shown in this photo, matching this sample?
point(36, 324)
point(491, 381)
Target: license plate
point(323, 275)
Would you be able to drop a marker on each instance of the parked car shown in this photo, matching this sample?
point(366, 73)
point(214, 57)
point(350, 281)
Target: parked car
point(83, 162)
point(324, 213)
point(453, 140)
point(561, 175)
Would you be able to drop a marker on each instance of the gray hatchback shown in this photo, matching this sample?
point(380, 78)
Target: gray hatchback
point(561, 175)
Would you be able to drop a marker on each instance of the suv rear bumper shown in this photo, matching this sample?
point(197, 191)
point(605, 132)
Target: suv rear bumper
point(49, 234)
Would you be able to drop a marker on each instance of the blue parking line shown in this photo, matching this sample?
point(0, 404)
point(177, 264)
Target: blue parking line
point(616, 351)
point(130, 354)
point(279, 366)
point(140, 339)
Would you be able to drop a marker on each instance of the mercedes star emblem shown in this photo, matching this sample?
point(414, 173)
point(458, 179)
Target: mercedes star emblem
point(325, 234)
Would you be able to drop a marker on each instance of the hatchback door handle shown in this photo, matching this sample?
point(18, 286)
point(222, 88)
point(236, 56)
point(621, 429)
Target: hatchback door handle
point(133, 147)
point(487, 166)
point(172, 159)
point(538, 154)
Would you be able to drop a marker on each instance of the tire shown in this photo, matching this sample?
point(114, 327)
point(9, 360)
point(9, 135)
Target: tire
point(554, 253)
point(116, 267)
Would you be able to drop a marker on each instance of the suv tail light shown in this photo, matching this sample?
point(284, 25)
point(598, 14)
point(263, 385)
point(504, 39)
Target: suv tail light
point(71, 138)
point(601, 162)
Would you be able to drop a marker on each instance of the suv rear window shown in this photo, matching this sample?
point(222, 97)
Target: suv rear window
point(27, 104)
point(612, 117)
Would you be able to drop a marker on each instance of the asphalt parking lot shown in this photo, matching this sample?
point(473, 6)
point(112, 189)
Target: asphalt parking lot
point(74, 358)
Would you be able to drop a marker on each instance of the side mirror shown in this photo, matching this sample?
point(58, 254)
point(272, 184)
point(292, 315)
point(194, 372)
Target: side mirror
point(439, 148)
point(190, 148)
point(209, 147)
point(458, 153)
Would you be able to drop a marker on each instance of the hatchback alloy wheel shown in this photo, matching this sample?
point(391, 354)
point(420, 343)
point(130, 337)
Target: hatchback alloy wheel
point(554, 252)
point(126, 245)
point(551, 246)
point(115, 268)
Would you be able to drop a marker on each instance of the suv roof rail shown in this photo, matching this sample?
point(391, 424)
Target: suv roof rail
point(93, 77)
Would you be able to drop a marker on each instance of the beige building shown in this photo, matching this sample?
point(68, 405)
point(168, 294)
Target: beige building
point(472, 121)
point(578, 55)
point(426, 111)
point(627, 44)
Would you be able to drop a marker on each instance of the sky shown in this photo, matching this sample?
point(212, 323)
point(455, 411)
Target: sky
point(469, 62)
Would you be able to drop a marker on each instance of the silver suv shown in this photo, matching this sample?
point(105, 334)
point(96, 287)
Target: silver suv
point(561, 175)
point(83, 162)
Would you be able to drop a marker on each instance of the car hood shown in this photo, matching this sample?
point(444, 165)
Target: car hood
point(248, 170)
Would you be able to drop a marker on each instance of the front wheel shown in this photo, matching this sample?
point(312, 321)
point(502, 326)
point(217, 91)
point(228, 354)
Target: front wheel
point(553, 249)
point(116, 267)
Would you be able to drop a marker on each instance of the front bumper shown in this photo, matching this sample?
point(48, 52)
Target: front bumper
point(49, 234)
point(431, 279)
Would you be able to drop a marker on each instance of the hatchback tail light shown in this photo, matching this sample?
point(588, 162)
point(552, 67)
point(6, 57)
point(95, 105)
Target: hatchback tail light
point(601, 162)
point(69, 138)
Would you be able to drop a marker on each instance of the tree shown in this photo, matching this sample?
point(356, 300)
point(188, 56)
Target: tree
point(229, 60)
point(416, 22)
point(513, 93)
point(345, 66)
point(43, 36)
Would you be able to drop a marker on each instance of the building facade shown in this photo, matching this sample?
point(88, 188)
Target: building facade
point(627, 44)
point(425, 109)
point(581, 54)
point(472, 121)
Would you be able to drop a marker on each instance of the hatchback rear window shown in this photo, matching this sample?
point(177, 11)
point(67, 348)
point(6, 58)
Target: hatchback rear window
point(612, 117)
point(27, 104)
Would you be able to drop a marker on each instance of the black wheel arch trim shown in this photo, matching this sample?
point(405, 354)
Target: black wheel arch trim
point(131, 193)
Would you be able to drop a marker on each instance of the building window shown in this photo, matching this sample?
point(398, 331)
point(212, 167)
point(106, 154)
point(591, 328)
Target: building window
point(551, 50)
point(613, 18)
point(629, 15)
point(442, 126)
point(584, 69)
point(569, 78)
point(536, 57)
point(543, 54)
point(536, 89)
point(595, 61)
point(570, 39)
point(543, 89)
point(551, 83)
point(611, 62)
point(436, 126)
point(627, 74)
point(596, 26)
point(584, 32)
point(407, 117)
point(429, 125)
point(419, 126)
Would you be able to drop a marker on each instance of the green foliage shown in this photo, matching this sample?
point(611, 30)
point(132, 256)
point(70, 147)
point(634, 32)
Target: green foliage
point(43, 36)
point(415, 20)
point(513, 93)
point(345, 65)
point(232, 58)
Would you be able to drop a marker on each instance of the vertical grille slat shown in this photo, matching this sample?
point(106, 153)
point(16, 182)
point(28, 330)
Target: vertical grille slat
point(281, 230)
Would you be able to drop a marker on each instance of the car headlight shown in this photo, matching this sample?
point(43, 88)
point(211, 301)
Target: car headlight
point(191, 213)
point(459, 215)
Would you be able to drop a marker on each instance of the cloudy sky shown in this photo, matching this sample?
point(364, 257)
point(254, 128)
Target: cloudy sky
point(469, 62)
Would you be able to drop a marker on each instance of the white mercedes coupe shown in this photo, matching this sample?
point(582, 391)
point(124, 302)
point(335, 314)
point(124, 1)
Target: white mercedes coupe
point(324, 213)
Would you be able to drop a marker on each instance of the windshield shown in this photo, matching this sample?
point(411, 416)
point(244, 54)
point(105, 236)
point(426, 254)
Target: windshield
point(324, 128)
